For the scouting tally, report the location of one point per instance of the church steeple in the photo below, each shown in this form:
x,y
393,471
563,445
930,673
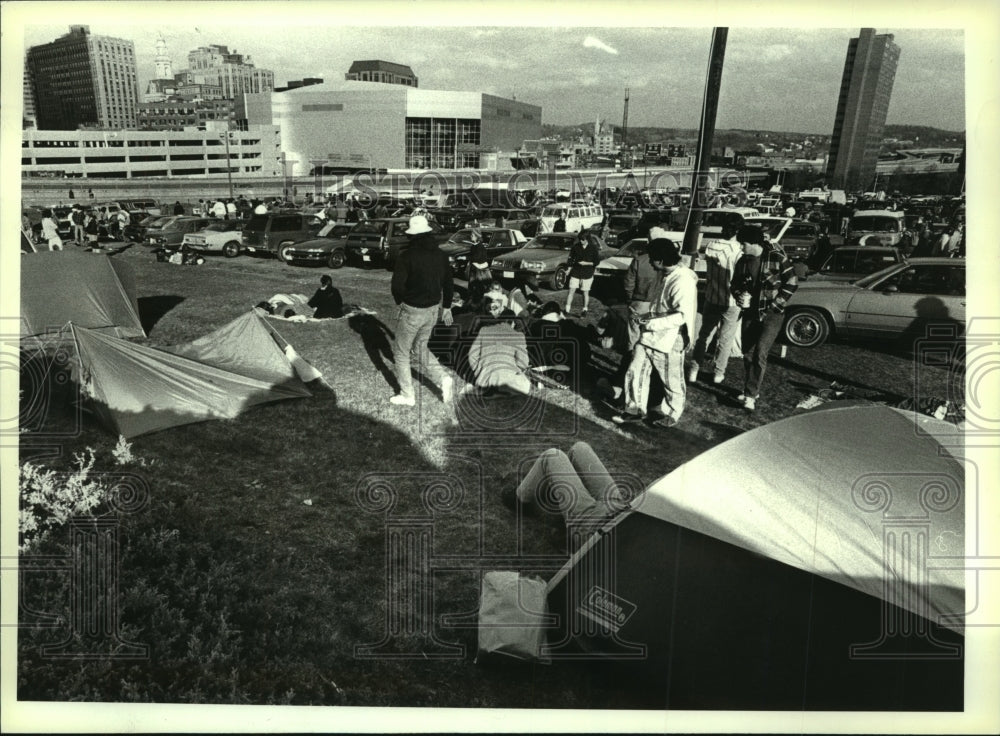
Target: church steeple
x,y
163,67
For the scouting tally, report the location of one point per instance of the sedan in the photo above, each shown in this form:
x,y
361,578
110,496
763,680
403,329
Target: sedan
x,y
617,265
498,241
545,257
169,232
852,262
222,236
328,248
904,299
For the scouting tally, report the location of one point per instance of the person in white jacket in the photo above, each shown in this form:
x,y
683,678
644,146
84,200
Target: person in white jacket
x,y
667,333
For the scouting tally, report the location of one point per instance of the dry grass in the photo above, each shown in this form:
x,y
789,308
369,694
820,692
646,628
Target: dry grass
x,y
247,594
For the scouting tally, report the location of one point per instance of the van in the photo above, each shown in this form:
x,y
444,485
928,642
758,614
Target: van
x,y
885,225
579,215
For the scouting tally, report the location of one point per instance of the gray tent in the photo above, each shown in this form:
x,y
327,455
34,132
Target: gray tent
x,y
90,290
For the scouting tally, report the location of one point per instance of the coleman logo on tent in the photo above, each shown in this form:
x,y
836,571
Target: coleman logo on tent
x,y
606,608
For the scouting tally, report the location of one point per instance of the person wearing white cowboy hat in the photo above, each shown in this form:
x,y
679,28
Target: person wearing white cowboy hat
x,y
421,286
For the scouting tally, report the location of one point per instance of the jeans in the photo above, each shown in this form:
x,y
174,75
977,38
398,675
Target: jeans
x,y
412,333
670,367
577,484
726,319
758,337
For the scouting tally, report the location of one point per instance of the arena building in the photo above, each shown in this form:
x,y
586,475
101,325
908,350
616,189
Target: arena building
x,y
356,125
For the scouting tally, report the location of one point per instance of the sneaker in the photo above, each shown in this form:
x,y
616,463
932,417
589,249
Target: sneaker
x,y
749,403
664,423
693,372
400,400
626,416
718,378
447,387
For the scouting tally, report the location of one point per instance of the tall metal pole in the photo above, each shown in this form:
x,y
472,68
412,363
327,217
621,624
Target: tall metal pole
x,y
703,157
229,168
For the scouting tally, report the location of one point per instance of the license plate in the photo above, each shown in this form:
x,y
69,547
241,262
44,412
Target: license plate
x,y
366,258
508,274
700,267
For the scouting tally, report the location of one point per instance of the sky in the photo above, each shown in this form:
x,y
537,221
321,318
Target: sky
x,y
576,68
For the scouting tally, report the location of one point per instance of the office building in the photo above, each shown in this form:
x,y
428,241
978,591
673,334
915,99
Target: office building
x,y
28,113
134,154
865,91
232,72
84,81
385,72
176,113
363,125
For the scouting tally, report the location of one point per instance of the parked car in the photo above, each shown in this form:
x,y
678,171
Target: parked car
x,y
544,257
621,222
221,236
886,226
903,299
513,218
380,241
277,231
497,240
328,248
452,219
852,262
135,231
614,268
169,232
799,240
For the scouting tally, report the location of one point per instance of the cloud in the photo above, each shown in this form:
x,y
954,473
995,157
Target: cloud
x,y
595,43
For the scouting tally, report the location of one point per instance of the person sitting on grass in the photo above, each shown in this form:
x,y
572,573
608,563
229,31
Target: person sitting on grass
x,y
558,340
498,357
327,301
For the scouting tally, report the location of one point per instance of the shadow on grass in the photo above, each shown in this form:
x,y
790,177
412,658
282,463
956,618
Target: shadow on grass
x,y
153,308
376,337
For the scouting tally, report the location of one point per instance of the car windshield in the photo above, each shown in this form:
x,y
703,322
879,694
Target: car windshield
x,y
800,231
873,278
876,224
551,242
160,221
363,228
770,225
462,237
632,248
622,222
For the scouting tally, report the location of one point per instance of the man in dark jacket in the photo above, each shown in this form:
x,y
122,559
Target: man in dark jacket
x,y
763,282
421,286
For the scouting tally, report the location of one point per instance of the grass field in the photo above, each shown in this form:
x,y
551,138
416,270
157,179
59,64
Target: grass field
x,y
259,564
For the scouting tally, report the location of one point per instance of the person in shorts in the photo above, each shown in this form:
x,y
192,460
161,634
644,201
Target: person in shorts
x,y
583,259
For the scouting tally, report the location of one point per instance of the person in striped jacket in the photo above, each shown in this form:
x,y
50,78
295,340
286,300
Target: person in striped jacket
x,y
763,282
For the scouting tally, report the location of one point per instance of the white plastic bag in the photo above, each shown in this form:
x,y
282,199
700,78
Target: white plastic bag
x,y
512,616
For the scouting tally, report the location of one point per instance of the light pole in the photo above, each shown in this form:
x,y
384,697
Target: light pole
x,y
229,172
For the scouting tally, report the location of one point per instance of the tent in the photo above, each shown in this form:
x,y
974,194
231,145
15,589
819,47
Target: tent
x,y
810,564
137,389
91,290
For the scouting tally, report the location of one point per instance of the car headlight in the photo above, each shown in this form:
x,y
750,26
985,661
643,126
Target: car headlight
x,y
532,265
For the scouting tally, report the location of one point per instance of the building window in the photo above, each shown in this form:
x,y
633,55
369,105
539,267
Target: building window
x,y
469,132
418,142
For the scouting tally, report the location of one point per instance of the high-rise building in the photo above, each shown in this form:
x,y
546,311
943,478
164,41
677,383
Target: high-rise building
x,y
865,90
28,115
84,81
386,72
234,73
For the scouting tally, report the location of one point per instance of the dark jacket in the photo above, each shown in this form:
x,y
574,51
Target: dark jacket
x,y
327,302
770,279
584,250
640,279
422,275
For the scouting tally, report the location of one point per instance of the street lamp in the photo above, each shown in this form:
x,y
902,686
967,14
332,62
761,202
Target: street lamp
x,y
229,172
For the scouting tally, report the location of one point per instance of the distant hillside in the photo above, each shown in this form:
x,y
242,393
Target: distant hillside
x,y
922,135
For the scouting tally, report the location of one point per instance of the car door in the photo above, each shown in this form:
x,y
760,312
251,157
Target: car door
x,y
908,301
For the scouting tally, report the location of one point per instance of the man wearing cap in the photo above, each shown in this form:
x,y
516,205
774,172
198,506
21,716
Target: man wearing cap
x,y
421,286
763,282
667,333
499,354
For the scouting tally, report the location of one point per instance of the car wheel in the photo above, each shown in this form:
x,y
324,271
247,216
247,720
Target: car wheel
x,y
806,328
283,252
559,279
336,259
231,249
